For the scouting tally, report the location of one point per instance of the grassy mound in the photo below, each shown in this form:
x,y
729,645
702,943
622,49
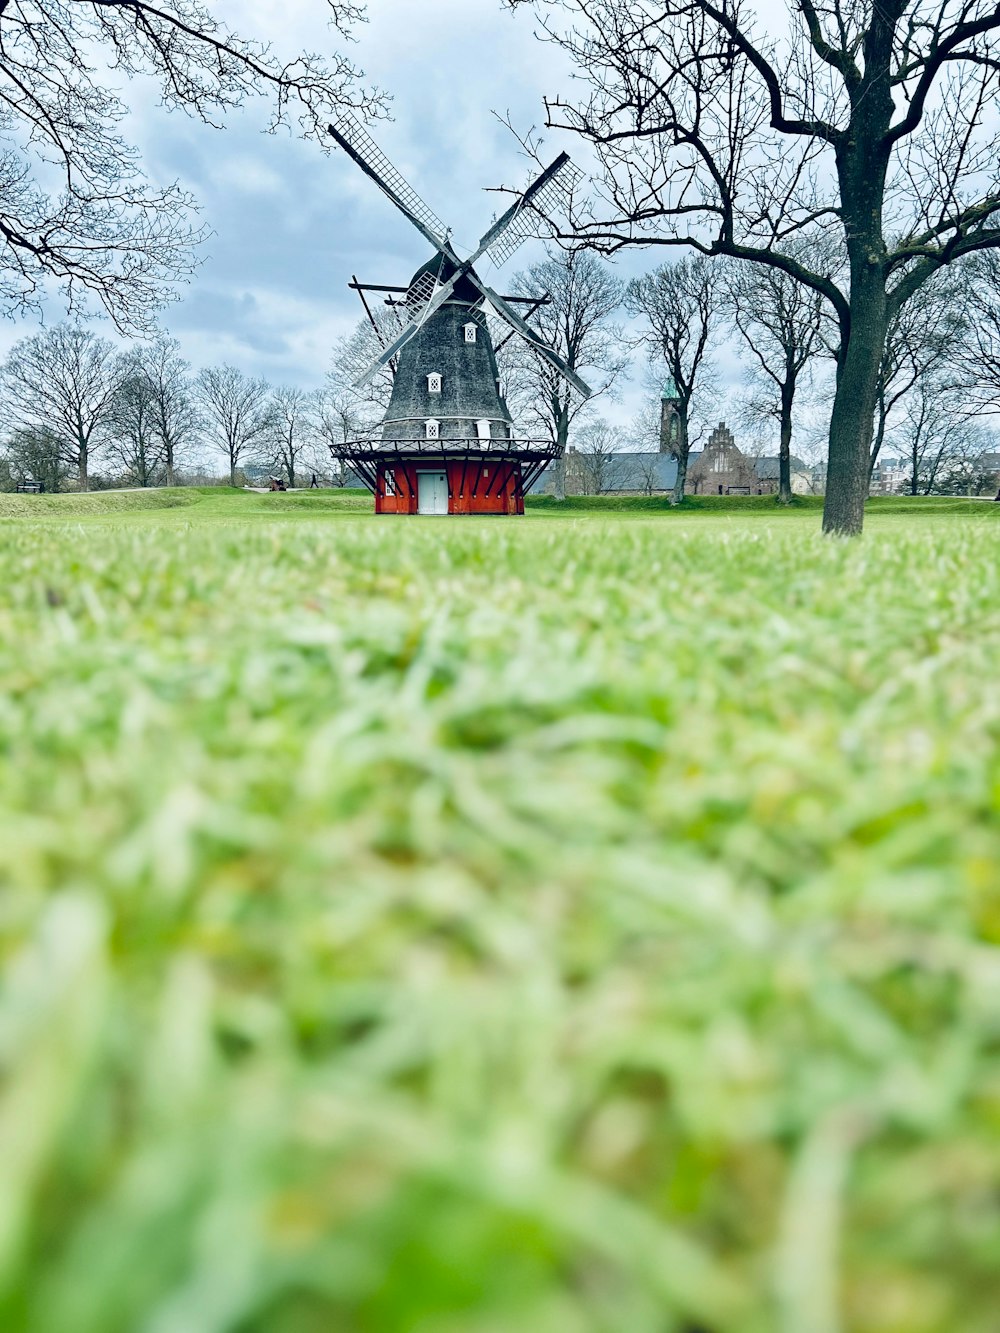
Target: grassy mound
x,y
84,503
457,927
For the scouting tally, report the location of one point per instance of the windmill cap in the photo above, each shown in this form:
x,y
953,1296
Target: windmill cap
x,y
442,268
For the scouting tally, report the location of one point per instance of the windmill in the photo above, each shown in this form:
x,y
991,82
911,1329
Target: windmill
x,y
447,442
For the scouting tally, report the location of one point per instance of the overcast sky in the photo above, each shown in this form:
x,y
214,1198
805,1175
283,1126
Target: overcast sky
x,y
291,224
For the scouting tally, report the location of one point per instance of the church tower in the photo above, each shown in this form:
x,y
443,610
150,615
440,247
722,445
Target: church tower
x,y
670,417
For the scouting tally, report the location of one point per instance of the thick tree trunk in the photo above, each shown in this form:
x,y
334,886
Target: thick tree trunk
x,y
785,446
677,495
681,451
171,478
559,469
878,435
853,417
559,478
82,469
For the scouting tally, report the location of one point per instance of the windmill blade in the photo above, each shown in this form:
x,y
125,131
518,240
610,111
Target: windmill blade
x,y
411,330
528,215
359,145
511,317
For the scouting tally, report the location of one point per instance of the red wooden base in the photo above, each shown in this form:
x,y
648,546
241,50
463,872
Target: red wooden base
x,y
475,486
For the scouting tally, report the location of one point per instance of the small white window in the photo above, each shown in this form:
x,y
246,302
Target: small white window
x,y
470,333
434,383
483,429
433,429
390,482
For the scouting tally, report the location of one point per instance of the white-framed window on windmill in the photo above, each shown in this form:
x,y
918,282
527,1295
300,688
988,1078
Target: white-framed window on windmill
x,y
483,431
390,482
470,332
432,429
434,382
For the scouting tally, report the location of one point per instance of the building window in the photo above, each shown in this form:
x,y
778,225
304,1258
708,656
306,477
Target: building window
x,y
483,430
390,482
434,383
433,429
470,333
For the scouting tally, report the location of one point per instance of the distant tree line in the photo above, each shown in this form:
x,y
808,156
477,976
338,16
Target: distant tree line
x,y
78,411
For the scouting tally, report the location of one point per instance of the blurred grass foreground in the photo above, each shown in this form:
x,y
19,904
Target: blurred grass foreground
x,y
590,922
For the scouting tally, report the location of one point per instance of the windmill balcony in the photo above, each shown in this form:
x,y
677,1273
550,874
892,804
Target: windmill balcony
x,y
463,475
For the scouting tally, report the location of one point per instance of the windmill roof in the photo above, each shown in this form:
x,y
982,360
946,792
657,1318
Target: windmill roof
x,y
442,268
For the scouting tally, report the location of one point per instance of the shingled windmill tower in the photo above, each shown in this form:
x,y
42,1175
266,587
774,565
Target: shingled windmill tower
x,y
447,444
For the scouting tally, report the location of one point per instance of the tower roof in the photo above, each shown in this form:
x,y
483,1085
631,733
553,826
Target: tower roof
x,y
669,388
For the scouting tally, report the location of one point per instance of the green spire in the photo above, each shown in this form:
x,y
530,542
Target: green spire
x,y
670,389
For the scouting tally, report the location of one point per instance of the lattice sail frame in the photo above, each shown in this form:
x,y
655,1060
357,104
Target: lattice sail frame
x,y
532,219
365,146
418,298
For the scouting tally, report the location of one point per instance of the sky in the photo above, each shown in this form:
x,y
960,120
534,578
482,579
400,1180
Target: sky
x,y
290,224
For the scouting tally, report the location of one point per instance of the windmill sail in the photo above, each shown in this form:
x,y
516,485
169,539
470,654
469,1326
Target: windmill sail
x,y
358,144
501,309
529,216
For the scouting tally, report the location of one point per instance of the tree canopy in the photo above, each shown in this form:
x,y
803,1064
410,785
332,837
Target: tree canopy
x,y
872,123
76,210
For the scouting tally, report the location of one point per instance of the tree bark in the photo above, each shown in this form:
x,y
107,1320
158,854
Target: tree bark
x,y
82,469
853,419
562,439
785,446
681,450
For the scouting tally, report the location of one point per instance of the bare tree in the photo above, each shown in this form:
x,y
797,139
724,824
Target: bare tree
x,y
678,304
781,323
922,337
935,436
176,420
646,441
33,454
96,226
577,322
597,459
62,381
292,427
235,410
977,354
973,471
132,421
362,409
873,122
348,413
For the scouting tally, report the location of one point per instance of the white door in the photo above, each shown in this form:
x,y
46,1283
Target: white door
x,y
432,493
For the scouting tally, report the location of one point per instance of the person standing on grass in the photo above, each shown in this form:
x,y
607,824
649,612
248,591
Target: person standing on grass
x,y
314,484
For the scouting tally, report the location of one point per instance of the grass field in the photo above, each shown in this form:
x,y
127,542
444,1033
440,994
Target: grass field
x,y
583,923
